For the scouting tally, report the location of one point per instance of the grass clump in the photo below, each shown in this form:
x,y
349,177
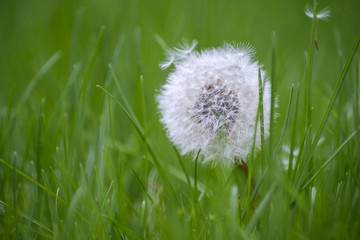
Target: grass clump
x,y
83,154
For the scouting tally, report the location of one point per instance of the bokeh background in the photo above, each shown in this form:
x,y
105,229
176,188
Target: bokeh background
x,y
31,31
61,126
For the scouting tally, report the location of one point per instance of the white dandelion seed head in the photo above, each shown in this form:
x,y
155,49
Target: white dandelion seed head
x,y
210,102
323,14
177,54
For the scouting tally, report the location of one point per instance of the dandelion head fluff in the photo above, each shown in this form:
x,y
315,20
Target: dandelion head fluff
x,y
210,102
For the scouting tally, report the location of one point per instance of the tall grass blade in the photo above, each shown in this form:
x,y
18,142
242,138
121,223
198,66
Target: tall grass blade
x,y
259,210
293,133
273,91
161,42
307,103
91,63
44,69
29,218
30,179
334,96
182,166
261,118
330,159
149,147
287,120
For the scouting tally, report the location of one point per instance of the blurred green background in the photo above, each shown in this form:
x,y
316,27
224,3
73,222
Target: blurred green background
x,y
31,31
70,135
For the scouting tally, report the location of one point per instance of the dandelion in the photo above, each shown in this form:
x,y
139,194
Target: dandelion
x,y
323,14
210,102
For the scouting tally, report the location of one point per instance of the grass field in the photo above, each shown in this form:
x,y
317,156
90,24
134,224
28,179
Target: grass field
x,y
83,154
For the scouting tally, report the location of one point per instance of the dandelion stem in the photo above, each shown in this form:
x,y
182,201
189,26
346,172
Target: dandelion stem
x,y
195,177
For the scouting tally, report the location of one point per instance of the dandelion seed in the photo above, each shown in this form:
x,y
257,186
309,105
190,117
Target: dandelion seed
x,y
323,14
210,102
178,54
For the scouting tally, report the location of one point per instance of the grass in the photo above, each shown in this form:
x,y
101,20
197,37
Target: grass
x,y
83,154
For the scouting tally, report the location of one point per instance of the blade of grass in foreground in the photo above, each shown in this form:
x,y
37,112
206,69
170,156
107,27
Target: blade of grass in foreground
x,y
288,115
273,92
195,176
307,102
36,222
259,210
261,118
55,195
91,63
294,133
52,206
330,158
122,94
30,179
250,197
161,41
195,221
334,96
44,69
140,131
142,185
357,97
253,194
145,216
251,158
182,166
5,128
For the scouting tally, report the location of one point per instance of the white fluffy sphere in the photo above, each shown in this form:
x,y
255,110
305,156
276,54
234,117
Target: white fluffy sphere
x,y
210,102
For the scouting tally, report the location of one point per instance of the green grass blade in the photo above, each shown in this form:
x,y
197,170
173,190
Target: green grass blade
x,y
287,120
44,69
52,205
31,219
31,179
91,62
119,88
254,192
196,177
182,166
142,185
307,103
259,210
334,96
5,127
161,41
131,117
261,118
293,133
148,145
273,91
330,159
